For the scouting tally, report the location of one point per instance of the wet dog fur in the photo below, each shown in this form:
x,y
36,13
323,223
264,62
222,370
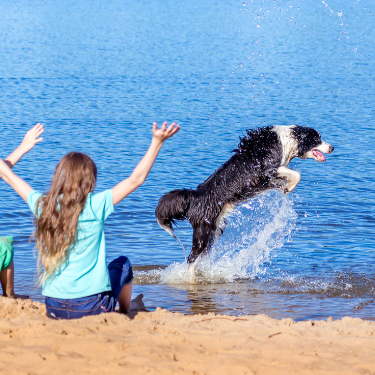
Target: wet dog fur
x,y
259,163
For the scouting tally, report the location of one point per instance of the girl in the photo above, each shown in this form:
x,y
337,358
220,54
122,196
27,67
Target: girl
x,y
70,234
31,138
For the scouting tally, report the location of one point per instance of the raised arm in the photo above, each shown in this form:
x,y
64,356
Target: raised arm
x,y
30,140
141,171
19,185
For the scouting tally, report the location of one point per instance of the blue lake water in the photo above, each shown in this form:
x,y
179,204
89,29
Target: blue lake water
x,y
97,74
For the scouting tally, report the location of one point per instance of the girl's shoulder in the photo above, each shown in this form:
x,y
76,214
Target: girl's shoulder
x,y
100,204
32,200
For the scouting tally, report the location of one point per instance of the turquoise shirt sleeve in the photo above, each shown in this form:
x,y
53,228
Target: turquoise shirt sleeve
x,y
102,204
32,199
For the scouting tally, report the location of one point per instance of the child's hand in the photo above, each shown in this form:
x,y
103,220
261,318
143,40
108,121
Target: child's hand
x,y
138,177
32,138
163,133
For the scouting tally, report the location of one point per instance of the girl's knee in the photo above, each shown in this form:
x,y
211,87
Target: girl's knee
x,y
120,274
120,262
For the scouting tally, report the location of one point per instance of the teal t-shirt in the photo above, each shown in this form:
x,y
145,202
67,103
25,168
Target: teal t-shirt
x,y
85,273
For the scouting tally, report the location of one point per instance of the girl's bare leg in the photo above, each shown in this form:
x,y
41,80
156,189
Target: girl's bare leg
x,y
7,281
125,298
126,304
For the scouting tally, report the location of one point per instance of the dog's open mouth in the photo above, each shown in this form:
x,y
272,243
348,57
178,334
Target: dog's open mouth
x,y
318,155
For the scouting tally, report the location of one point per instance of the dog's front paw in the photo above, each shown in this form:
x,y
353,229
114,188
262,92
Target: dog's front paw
x,y
278,183
289,188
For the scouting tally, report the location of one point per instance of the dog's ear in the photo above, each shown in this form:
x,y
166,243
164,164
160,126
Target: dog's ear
x,y
307,139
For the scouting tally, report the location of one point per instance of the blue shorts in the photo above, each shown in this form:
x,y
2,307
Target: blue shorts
x,y
120,273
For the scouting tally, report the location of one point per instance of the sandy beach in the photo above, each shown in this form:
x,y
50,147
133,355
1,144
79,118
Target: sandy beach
x,y
162,342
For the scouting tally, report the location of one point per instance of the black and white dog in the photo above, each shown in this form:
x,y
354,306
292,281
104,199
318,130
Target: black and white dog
x,y
260,163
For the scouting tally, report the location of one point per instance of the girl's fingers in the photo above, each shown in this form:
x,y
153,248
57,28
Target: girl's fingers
x,y
38,140
165,132
35,136
172,130
37,127
40,128
175,130
154,128
170,127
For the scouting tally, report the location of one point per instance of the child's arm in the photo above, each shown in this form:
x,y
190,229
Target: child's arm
x,y
138,177
30,140
19,185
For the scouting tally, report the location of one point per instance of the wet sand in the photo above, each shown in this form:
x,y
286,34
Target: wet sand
x,y
162,342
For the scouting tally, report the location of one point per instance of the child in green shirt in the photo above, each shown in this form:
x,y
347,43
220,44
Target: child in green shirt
x,y
6,243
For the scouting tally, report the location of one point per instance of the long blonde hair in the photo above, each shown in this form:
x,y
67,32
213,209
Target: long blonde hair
x,y
56,227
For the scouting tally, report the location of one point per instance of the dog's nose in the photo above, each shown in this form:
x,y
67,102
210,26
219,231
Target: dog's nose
x,y
331,148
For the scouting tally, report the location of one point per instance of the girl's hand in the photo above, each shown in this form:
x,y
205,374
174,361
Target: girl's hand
x,y
32,138
138,177
164,133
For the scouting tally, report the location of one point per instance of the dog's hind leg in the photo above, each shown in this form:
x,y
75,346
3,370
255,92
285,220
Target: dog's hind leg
x,y
202,238
206,234
291,177
221,221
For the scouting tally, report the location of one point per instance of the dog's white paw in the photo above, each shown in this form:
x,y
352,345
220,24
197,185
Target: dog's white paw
x,y
289,188
191,273
278,183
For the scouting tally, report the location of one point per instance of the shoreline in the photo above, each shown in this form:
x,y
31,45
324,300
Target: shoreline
x,y
163,342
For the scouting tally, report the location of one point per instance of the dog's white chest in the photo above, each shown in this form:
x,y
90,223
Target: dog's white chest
x,y
288,143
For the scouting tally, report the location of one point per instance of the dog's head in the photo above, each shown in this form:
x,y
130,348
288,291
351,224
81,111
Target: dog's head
x,y
310,145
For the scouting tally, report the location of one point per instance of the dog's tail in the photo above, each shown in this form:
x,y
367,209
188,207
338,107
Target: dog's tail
x,y
173,206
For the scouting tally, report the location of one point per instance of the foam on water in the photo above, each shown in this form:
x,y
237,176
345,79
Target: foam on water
x,y
254,229
343,284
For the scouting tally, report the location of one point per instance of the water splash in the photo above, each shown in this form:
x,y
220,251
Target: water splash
x,y
182,245
254,229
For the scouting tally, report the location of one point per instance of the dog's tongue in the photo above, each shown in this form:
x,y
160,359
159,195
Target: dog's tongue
x,y
318,155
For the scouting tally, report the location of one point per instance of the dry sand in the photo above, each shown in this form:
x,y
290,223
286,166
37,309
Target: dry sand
x,y
162,342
